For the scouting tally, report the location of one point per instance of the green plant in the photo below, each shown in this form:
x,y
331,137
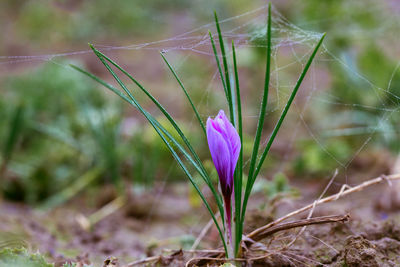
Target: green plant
x,y
182,149
21,257
48,152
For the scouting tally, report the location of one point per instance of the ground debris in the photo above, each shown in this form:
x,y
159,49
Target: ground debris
x,y
111,262
359,251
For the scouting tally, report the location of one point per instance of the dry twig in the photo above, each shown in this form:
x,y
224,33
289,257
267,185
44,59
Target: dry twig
x,y
312,209
144,261
346,190
204,231
257,236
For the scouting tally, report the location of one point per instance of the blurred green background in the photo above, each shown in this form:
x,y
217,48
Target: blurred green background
x,y
60,133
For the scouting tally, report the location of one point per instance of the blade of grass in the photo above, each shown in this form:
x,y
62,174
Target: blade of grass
x,y
191,179
129,100
264,102
69,192
16,125
199,164
252,179
226,71
199,192
105,84
104,138
284,112
57,134
159,106
186,93
221,74
239,169
159,129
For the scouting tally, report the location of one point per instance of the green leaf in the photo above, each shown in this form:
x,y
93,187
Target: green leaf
x,y
186,94
261,117
78,185
226,71
239,168
278,125
221,74
16,124
286,109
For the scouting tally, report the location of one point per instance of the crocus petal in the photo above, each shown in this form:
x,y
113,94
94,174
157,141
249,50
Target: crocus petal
x,y
233,139
221,156
224,144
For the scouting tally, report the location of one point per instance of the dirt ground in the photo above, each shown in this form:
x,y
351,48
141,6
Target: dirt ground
x,y
163,222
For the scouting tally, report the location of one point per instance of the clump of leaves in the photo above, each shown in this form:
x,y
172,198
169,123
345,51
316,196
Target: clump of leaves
x,y
278,185
62,135
317,162
21,257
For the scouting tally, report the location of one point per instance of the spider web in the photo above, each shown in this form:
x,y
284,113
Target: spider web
x,y
294,44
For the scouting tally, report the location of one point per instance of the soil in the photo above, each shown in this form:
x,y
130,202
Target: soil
x,y
163,222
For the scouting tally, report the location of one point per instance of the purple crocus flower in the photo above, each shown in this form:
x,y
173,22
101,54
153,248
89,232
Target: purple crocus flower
x,y
224,144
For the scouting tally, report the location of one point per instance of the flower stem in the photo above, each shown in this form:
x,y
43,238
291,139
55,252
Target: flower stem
x,y
228,227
